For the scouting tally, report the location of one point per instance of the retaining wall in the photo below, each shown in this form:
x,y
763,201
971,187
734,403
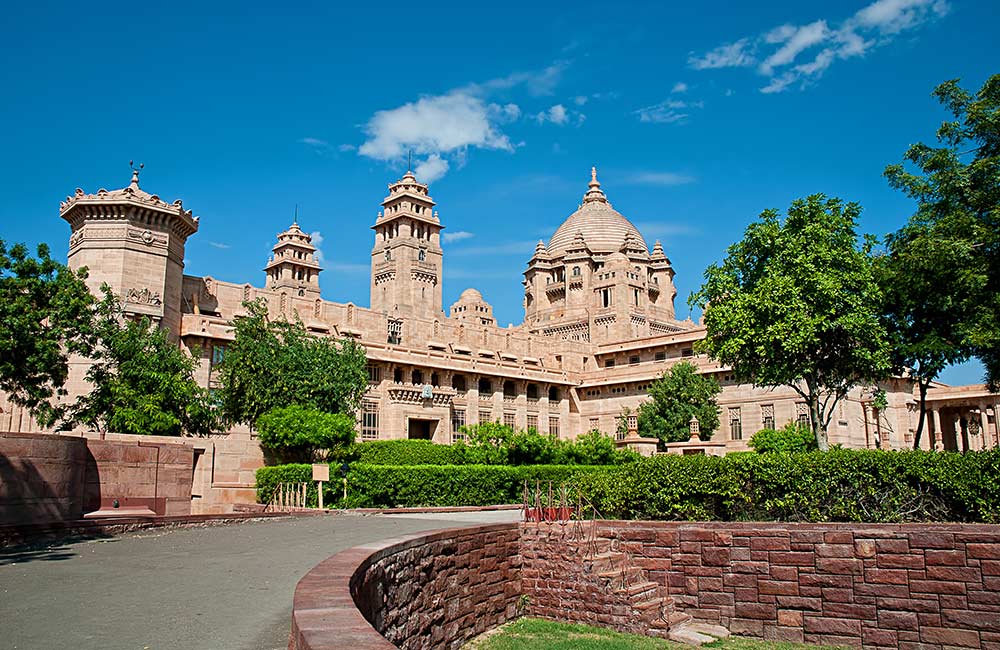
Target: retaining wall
x,y
913,587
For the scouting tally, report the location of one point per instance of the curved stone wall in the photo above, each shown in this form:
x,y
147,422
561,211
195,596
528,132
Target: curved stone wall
x,y
918,587
424,591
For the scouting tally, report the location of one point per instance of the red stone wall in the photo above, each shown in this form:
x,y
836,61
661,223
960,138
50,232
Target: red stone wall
x,y
916,587
433,591
41,477
49,478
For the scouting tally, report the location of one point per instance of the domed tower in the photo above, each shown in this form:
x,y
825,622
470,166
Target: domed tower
x,y
132,241
293,265
407,255
596,279
473,308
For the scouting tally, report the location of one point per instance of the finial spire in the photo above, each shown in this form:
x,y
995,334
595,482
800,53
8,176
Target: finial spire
x,y
409,161
594,193
295,219
135,173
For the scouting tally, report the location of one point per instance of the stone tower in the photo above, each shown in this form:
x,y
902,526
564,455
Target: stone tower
x,y
293,266
132,241
407,256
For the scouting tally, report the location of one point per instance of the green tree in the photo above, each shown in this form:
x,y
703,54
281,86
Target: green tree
x,y
796,303
45,317
296,433
922,279
957,189
143,383
791,438
677,396
277,363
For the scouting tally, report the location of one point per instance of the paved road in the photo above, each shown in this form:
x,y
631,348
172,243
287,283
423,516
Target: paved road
x,y
220,588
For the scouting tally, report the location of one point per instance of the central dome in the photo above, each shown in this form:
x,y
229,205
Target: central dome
x,y
603,228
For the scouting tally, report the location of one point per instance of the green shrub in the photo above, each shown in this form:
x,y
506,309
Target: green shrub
x,y
792,438
838,485
269,477
375,486
297,432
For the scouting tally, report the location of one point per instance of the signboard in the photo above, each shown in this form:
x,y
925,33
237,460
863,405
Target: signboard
x,y
427,392
321,472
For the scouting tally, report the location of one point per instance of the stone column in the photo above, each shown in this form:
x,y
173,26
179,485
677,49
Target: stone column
x,y
934,430
984,427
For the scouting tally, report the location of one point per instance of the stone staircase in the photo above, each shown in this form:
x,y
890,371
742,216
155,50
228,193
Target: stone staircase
x,y
650,601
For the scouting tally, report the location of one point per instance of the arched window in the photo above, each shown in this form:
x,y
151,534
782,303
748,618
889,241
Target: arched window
x,y
388,255
422,255
576,270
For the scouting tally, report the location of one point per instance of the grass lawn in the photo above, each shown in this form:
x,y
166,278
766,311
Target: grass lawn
x,y
536,634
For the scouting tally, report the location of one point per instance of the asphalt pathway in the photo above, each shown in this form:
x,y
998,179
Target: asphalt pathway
x,y
218,588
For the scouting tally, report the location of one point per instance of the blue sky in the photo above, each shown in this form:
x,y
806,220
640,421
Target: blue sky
x,y
698,117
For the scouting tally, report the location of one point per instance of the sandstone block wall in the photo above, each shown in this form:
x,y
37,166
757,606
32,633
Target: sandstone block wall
x,y
428,592
41,477
913,587
156,475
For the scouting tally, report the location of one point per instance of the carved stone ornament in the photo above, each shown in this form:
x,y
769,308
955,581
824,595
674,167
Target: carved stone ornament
x,y
143,297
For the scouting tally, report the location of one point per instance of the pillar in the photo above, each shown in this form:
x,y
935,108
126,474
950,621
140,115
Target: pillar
x,y
934,430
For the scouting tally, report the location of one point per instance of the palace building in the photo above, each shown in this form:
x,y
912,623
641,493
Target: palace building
x,y
599,326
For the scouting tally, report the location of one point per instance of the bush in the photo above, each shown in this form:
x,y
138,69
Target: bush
x,y
839,485
297,432
792,438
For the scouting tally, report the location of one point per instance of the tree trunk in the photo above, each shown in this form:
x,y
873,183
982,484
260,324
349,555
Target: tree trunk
x,y
923,411
818,430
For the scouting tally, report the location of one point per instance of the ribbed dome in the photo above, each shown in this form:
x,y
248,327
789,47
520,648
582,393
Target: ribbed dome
x,y
470,295
603,228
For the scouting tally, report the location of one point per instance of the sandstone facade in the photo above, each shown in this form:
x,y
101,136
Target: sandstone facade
x,y
599,327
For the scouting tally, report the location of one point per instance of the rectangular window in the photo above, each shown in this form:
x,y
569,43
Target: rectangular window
x,y
621,427
457,422
218,353
661,356
508,418
554,427
395,332
609,363
687,352
533,422
485,416
802,413
374,374
595,424
735,424
767,416
633,360
369,420
607,298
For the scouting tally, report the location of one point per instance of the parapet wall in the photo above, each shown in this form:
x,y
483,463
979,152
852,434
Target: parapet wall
x,y
913,587
50,478
420,592
917,586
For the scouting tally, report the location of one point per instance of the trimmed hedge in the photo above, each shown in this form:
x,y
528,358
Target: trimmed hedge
x,y
838,485
519,448
414,452
384,486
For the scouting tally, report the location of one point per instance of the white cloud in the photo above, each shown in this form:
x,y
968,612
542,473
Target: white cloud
x,y
798,40
781,47
317,241
556,114
219,245
669,111
458,235
728,55
679,87
659,178
580,100
317,145
431,169
345,148
443,128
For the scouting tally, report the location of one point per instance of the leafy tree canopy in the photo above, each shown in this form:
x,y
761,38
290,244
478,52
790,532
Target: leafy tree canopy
x,y
297,432
271,364
143,383
796,303
45,314
956,226
677,396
